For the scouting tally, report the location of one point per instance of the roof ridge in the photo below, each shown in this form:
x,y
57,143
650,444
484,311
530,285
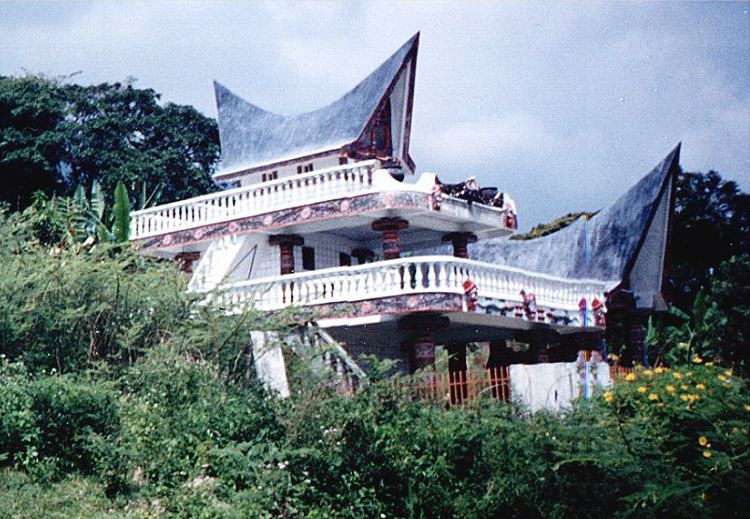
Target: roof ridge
x,y
251,135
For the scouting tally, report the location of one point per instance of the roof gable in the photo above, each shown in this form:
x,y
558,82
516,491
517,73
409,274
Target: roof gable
x,y
608,246
252,137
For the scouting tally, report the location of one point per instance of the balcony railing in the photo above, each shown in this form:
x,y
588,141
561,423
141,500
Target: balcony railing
x,y
406,276
318,186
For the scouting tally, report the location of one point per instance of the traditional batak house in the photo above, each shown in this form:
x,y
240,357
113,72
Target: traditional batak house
x,y
321,211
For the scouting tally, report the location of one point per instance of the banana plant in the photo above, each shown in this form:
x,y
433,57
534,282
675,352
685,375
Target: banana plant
x,y
683,341
96,221
120,230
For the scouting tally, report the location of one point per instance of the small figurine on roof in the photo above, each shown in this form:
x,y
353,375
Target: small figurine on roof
x,y
529,305
472,295
509,206
437,195
600,315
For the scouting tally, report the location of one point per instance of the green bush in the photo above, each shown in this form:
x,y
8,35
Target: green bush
x,y
65,309
177,409
158,410
686,435
55,424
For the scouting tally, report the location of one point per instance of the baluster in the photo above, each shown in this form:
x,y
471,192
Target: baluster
x,y
377,283
352,288
393,277
419,278
368,283
448,274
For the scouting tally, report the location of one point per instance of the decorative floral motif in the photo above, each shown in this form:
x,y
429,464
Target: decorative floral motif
x,y
290,216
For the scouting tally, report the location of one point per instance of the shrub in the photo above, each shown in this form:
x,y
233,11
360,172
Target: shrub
x,y
685,433
55,424
177,409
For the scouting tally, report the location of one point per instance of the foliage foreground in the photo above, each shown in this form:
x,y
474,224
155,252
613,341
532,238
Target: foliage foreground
x,y
122,396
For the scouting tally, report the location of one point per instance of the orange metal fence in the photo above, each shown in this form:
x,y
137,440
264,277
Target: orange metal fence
x,y
464,387
619,371
458,387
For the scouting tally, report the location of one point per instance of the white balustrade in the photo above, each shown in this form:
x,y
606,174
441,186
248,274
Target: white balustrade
x,y
404,276
317,186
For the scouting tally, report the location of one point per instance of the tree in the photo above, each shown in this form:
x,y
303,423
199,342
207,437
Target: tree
x,y
32,145
55,136
711,224
730,296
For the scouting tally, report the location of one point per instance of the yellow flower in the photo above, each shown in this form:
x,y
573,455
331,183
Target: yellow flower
x,y
684,398
747,408
721,377
642,389
707,454
700,386
728,372
676,375
697,359
660,370
684,387
608,396
653,396
660,404
709,364
735,430
693,398
702,441
630,377
669,388
648,372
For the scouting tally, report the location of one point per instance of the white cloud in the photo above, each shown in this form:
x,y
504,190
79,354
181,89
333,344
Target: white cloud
x,y
474,143
564,104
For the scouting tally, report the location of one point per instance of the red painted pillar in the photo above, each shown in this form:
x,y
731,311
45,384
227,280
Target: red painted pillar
x,y
421,342
460,242
390,228
423,351
286,243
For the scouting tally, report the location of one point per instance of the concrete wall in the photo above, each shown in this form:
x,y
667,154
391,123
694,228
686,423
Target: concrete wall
x,y
554,386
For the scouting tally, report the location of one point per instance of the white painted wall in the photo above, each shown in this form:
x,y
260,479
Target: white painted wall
x,y
256,259
268,360
327,248
554,386
291,170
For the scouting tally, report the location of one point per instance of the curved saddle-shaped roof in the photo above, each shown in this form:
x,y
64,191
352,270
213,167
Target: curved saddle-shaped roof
x,y
623,244
252,137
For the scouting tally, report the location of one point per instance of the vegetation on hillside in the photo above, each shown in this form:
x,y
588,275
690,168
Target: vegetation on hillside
x,y
123,395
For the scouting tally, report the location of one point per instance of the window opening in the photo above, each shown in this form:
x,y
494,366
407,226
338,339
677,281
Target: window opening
x,y
308,258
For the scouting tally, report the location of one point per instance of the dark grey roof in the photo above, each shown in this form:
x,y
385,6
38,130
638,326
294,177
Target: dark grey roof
x,y
251,136
614,236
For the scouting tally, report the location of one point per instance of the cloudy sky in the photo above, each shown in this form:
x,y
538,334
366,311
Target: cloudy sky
x,y
563,105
